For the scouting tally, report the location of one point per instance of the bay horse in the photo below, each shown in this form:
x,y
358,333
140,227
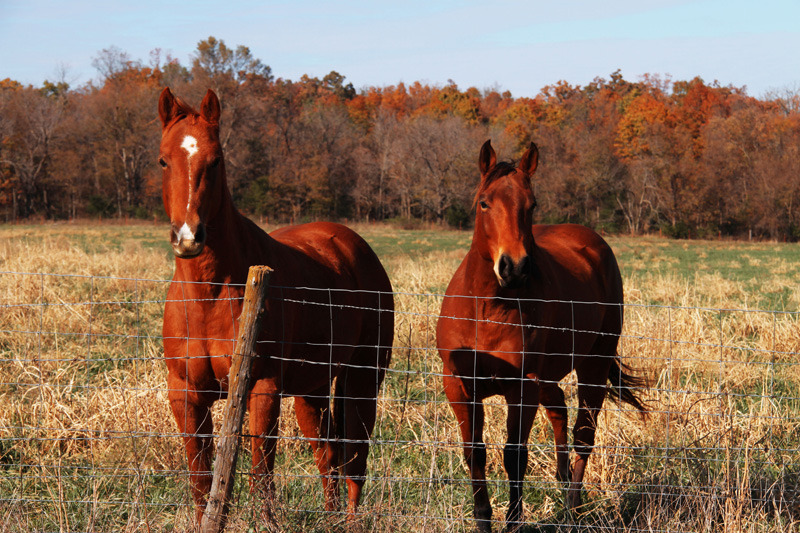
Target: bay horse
x,y
329,317
528,305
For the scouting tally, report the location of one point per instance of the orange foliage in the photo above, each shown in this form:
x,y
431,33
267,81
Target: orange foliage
x,y
519,119
642,112
493,104
9,85
618,153
133,77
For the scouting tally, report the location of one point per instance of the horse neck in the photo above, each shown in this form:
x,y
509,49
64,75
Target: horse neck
x,y
480,246
481,266
224,257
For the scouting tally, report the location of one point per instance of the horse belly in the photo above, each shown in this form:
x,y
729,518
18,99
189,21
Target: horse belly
x,y
570,348
314,335
314,365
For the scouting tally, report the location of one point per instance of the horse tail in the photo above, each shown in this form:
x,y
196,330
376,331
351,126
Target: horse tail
x,y
623,386
338,407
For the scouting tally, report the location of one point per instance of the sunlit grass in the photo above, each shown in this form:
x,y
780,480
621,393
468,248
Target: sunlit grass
x,y
87,440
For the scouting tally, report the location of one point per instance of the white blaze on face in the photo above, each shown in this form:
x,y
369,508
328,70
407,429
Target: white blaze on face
x,y
185,233
190,145
497,266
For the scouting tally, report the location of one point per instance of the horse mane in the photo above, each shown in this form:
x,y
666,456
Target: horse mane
x,y
183,109
502,168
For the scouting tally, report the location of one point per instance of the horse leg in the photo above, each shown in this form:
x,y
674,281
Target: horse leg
x,y
552,398
592,375
522,406
591,394
316,423
195,425
264,405
470,416
354,412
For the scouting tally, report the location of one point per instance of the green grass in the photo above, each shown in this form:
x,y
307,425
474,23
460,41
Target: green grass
x,y
97,237
414,243
769,272
637,256
93,237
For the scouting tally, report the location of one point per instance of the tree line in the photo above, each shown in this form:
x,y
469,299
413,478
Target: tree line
x,y
685,158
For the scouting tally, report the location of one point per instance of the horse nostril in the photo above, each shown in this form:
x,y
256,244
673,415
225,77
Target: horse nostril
x,y
524,266
200,234
506,267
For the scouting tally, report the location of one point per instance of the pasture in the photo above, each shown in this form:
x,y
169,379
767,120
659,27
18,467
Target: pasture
x,y
87,440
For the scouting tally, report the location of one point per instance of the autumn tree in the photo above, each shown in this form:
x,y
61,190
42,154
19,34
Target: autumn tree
x,y
375,158
689,158
30,127
241,81
640,142
125,134
436,166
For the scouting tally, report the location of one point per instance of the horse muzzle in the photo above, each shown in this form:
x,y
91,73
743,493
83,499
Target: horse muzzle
x,y
512,274
186,241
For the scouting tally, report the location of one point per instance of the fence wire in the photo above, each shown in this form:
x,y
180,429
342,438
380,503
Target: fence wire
x,y
88,441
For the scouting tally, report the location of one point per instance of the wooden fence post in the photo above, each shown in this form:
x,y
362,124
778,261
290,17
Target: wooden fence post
x,y
216,513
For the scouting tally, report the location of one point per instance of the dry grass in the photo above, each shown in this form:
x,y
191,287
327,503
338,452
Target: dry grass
x,y
87,441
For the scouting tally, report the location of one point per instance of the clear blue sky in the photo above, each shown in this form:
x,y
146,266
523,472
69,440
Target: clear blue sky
x,y
513,45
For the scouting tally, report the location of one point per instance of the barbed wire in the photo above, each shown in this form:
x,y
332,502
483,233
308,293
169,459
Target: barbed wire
x,y
85,421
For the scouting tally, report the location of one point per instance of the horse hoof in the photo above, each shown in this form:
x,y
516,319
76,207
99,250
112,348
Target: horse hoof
x,y
483,519
574,501
483,526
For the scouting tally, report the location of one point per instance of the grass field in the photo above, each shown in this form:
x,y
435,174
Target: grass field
x,y
87,442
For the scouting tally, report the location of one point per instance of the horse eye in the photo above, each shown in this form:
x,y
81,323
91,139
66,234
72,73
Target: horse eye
x,y
483,205
162,163
215,162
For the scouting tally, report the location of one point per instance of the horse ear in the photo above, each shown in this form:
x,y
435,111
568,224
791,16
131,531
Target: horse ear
x,y
166,107
488,159
529,161
209,108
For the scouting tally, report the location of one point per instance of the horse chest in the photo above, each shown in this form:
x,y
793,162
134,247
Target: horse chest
x,y
511,328
501,327
200,336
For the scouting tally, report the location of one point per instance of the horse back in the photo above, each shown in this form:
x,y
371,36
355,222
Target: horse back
x,y
332,250
577,264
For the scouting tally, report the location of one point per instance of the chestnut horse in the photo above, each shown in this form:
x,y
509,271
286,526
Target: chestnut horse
x,y
329,316
528,305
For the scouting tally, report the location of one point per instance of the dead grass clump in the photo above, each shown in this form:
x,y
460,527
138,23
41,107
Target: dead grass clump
x,y
87,440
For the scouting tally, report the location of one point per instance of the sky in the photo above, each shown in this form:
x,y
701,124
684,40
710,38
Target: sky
x,y
504,44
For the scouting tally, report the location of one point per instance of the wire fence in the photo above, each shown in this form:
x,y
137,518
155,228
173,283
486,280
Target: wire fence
x,y
88,441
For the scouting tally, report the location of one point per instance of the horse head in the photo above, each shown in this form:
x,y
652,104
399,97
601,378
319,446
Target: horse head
x,y
194,171
504,215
